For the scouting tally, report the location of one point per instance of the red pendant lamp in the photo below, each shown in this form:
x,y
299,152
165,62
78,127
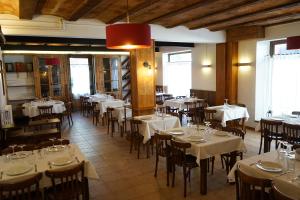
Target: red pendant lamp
x,y
128,35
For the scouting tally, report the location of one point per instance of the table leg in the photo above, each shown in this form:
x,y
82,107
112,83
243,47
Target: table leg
x,y
232,161
203,176
86,188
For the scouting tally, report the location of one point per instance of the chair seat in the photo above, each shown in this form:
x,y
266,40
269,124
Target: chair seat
x,y
190,161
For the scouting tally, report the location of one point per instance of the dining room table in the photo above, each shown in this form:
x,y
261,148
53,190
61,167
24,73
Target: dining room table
x,y
105,101
154,123
289,119
31,110
206,143
226,112
24,164
271,166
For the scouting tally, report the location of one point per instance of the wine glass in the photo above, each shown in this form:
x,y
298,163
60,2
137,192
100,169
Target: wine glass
x,y
13,146
61,140
22,146
225,102
52,140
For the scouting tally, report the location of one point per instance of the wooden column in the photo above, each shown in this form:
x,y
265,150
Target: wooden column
x,y
142,80
231,71
220,73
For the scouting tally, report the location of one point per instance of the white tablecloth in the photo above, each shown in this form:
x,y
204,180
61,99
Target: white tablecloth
x,y
31,109
153,123
120,114
229,112
42,165
286,119
103,104
179,103
215,145
248,166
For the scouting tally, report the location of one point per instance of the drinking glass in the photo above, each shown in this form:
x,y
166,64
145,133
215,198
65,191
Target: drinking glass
x,y
13,146
225,102
22,146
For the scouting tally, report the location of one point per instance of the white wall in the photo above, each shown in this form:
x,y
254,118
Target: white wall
x,y
247,53
159,68
204,78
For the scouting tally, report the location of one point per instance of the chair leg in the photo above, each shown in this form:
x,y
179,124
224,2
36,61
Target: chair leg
x,y
108,125
212,165
131,143
184,180
156,165
260,146
138,148
168,170
173,177
147,149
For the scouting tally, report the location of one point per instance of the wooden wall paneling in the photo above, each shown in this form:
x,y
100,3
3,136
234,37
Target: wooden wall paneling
x,y
245,33
220,73
143,80
36,75
99,73
231,71
210,96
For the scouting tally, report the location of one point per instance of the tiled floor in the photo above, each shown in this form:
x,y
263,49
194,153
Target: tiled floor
x,y
123,176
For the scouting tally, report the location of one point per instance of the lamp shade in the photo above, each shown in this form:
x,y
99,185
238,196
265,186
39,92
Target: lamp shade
x,y
128,36
293,43
51,61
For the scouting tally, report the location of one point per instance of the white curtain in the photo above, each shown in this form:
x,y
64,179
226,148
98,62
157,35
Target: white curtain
x,y
286,84
277,85
177,76
263,98
80,76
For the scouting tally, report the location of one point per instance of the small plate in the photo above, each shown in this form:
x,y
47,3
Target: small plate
x,y
177,132
61,161
196,138
56,148
16,170
269,166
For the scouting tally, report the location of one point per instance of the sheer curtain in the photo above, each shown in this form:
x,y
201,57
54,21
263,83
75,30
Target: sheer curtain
x,y
277,85
286,84
177,76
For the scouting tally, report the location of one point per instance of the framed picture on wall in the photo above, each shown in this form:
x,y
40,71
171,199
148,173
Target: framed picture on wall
x,y
9,67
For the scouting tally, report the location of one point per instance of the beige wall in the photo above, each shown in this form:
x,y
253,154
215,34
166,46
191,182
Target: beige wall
x,y
247,53
158,68
204,78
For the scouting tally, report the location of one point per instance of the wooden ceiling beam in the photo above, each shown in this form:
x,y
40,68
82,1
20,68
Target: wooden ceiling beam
x,y
182,10
231,13
137,9
198,17
276,20
84,9
263,15
27,8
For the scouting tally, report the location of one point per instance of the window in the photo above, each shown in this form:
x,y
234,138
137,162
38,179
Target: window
x,y
185,56
177,72
80,76
277,80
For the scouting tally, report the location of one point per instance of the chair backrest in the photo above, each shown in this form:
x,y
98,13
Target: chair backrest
x,y
162,142
241,105
269,126
251,188
235,131
278,195
69,107
190,105
45,111
291,133
161,109
24,189
209,114
70,181
178,152
94,105
180,97
49,143
296,113
134,126
109,112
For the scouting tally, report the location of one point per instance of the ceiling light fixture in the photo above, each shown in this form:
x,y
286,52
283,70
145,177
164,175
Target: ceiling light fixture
x,y
128,35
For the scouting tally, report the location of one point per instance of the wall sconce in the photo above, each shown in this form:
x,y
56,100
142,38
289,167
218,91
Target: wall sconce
x,y
147,65
206,65
243,64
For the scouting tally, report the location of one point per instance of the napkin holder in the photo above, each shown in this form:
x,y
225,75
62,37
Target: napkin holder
x,y
297,154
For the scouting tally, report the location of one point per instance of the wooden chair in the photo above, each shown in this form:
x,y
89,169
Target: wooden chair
x,y
67,183
251,188
124,121
180,97
179,157
81,104
45,112
85,106
111,121
163,145
278,195
68,112
227,157
209,116
96,112
269,130
27,188
296,113
135,137
291,133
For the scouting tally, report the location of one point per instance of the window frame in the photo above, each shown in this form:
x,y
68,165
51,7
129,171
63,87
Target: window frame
x,y
177,53
273,44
